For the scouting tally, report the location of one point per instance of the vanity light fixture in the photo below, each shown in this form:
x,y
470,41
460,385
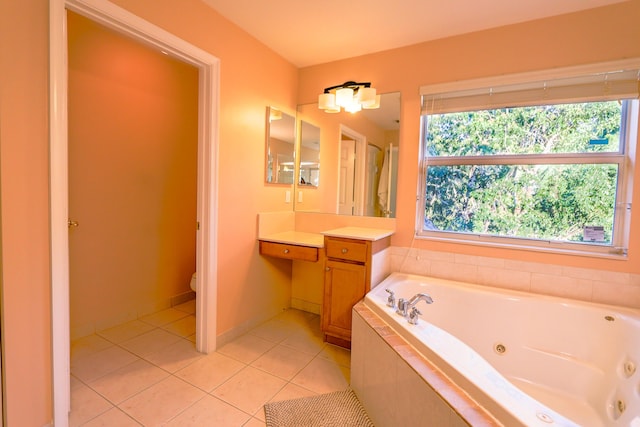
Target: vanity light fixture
x,y
351,96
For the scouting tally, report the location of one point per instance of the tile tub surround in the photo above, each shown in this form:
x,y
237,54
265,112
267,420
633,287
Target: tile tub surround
x,y
584,284
399,386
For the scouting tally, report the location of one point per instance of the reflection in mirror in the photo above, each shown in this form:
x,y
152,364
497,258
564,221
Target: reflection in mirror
x,y
280,147
309,174
359,160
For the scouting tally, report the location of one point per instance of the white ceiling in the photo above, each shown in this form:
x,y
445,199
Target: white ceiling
x,y
308,32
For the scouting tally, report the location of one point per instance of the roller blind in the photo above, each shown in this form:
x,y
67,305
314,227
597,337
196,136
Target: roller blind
x,y
533,89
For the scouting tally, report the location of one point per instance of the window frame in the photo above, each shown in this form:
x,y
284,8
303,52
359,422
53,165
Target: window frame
x,y
623,158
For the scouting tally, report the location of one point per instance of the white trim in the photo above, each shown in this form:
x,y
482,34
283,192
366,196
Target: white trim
x,y
532,76
546,246
119,19
622,221
531,159
619,245
60,352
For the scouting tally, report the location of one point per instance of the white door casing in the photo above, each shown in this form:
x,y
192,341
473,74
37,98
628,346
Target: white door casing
x,y
371,181
118,19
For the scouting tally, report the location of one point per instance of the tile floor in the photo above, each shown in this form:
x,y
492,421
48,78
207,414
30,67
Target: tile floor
x,y
147,371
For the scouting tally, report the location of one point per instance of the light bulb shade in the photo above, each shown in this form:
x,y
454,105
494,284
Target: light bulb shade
x,y
374,105
350,95
327,101
354,107
344,96
367,96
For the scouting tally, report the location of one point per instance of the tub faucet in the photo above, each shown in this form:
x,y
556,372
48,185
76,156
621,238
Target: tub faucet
x,y
402,307
417,298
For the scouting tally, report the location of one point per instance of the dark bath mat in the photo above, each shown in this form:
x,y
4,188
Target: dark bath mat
x,y
337,409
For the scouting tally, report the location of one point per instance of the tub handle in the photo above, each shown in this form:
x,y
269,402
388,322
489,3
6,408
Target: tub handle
x,y
391,299
414,316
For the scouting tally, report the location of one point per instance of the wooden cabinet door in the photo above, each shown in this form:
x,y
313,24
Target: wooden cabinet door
x,y
344,286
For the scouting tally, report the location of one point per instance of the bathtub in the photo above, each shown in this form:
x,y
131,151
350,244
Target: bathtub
x,y
526,359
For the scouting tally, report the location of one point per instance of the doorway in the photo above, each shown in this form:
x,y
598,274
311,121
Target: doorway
x,y
116,18
133,115
352,168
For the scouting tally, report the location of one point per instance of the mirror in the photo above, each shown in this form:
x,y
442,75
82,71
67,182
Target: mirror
x,y
359,160
280,147
309,169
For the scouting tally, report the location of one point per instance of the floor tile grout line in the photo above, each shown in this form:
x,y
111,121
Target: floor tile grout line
x,y
287,323
88,384
141,319
294,375
139,357
96,416
253,415
210,393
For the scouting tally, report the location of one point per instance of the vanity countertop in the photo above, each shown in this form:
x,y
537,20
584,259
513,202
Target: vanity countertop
x,y
301,238
360,233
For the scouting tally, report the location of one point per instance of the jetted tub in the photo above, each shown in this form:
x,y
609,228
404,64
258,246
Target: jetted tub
x,y
527,359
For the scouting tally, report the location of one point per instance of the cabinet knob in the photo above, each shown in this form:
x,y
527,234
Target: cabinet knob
x,y
327,268
286,251
345,250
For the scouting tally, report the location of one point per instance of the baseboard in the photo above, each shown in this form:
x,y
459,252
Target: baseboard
x,y
79,331
182,298
307,306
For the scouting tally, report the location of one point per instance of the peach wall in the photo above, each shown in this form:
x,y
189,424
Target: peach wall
x,y
133,137
24,172
597,35
250,287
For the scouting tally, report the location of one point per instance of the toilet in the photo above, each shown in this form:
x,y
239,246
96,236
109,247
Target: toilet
x,y
193,282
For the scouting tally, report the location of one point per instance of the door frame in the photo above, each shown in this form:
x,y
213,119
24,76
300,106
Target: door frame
x,y
370,196
116,18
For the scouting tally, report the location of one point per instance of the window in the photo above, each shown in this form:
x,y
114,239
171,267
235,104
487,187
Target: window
x,y
542,165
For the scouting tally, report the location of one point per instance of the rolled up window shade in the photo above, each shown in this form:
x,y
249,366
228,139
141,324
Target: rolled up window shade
x,y
619,81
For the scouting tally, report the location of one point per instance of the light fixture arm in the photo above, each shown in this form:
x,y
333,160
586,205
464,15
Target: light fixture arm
x,y
350,84
350,95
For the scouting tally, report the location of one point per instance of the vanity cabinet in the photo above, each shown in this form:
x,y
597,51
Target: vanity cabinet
x,y
348,270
